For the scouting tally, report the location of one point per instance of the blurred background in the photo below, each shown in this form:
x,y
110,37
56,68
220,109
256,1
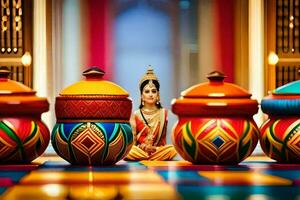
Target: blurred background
x,y
255,43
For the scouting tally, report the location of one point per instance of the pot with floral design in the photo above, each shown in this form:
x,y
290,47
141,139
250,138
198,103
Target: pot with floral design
x,y
215,122
280,133
23,135
92,125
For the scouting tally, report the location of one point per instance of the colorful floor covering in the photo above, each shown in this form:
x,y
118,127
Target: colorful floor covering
x,y
52,178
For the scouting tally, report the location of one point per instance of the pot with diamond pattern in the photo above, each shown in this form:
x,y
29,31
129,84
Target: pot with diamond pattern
x,y
215,122
93,121
23,135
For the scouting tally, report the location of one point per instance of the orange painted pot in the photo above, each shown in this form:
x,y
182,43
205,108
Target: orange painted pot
x,y
93,121
23,136
280,133
215,122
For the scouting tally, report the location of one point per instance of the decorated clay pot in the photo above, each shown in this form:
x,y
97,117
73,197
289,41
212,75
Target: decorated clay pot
x,y
280,134
215,122
92,121
23,136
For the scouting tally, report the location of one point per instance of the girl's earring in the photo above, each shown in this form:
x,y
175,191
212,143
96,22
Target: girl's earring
x,y
143,103
157,101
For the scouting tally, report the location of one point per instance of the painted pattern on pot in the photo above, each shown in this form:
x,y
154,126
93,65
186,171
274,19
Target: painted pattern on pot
x,y
280,134
23,136
92,142
216,140
215,122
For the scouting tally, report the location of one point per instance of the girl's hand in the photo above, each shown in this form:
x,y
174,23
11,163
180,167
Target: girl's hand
x,y
150,149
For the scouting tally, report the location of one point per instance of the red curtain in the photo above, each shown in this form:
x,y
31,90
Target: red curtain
x,y
98,33
224,37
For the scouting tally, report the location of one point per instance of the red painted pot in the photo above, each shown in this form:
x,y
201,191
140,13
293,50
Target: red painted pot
x,y
280,134
215,122
23,136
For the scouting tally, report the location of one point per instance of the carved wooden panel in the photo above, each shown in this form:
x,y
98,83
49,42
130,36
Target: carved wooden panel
x,y
287,73
283,18
16,38
287,27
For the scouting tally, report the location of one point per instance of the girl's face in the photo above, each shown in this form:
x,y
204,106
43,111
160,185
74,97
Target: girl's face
x,y
150,94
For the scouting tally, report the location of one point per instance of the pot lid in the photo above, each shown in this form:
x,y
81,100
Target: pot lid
x,y
215,88
18,99
94,84
290,88
283,101
216,98
8,86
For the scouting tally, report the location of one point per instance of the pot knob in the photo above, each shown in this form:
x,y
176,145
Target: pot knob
x,y
93,73
4,72
216,76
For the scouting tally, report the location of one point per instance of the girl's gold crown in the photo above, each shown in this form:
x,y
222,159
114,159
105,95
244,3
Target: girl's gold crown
x,y
148,76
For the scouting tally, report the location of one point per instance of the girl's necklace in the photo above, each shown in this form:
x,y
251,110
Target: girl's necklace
x,y
147,112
